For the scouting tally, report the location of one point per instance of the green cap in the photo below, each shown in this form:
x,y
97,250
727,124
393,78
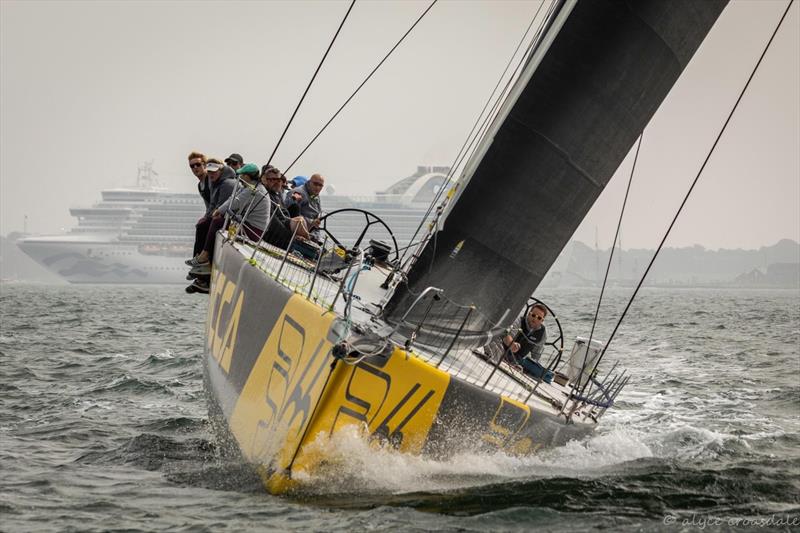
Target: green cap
x,y
249,168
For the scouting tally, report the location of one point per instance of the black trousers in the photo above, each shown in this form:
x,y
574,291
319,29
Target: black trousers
x,y
200,233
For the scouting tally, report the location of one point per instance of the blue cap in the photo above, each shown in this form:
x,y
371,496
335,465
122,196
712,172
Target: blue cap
x,y
299,180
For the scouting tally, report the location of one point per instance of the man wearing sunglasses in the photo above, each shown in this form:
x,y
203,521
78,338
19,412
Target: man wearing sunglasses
x,y
235,161
283,225
525,338
304,201
197,164
529,337
274,181
279,232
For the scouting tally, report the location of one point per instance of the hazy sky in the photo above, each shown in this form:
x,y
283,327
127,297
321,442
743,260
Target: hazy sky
x,y
90,89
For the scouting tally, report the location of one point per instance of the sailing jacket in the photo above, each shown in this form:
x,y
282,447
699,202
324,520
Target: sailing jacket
x,y
277,201
251,201
531,342
220,191
204,188
309,206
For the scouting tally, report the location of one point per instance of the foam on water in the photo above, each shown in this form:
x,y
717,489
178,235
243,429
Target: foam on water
x,y
165,355
355,465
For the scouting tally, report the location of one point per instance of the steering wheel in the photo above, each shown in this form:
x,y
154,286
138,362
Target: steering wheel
x,y
369,220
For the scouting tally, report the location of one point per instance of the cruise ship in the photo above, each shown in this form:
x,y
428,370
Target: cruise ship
x,y
143,234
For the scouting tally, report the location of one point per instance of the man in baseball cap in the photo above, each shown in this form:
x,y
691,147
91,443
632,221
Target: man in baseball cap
x,y
235,161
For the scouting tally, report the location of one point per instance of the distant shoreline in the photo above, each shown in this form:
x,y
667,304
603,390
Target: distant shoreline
x,y
580,266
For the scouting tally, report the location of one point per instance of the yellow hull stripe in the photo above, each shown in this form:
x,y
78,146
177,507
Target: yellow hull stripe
x,y
275,404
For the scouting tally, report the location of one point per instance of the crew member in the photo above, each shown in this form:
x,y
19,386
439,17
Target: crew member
x,y
529,337
304,201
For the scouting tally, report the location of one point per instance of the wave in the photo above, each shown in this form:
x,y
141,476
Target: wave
x,y
356,466
180,424
613,474
129,384
153,452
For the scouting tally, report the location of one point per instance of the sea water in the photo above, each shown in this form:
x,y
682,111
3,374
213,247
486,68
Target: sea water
x,y
103,427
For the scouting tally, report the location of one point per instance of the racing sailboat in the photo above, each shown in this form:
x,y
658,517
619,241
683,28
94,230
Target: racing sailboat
x,y
301,345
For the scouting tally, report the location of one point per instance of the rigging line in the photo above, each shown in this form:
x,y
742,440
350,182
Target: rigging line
x,y
484,127
608,269
489,118
433,231
360,86
702,167
469,139
296,109
471,144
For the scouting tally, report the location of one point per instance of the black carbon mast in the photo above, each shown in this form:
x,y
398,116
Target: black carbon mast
x,y
587,91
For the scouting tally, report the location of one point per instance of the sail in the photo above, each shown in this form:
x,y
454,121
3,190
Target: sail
x,y
584,96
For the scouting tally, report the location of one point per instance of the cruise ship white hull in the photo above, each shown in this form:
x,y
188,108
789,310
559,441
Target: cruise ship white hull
x,y
144,234
104,262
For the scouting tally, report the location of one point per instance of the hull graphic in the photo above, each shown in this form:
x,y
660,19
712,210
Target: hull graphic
x,y
272,375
